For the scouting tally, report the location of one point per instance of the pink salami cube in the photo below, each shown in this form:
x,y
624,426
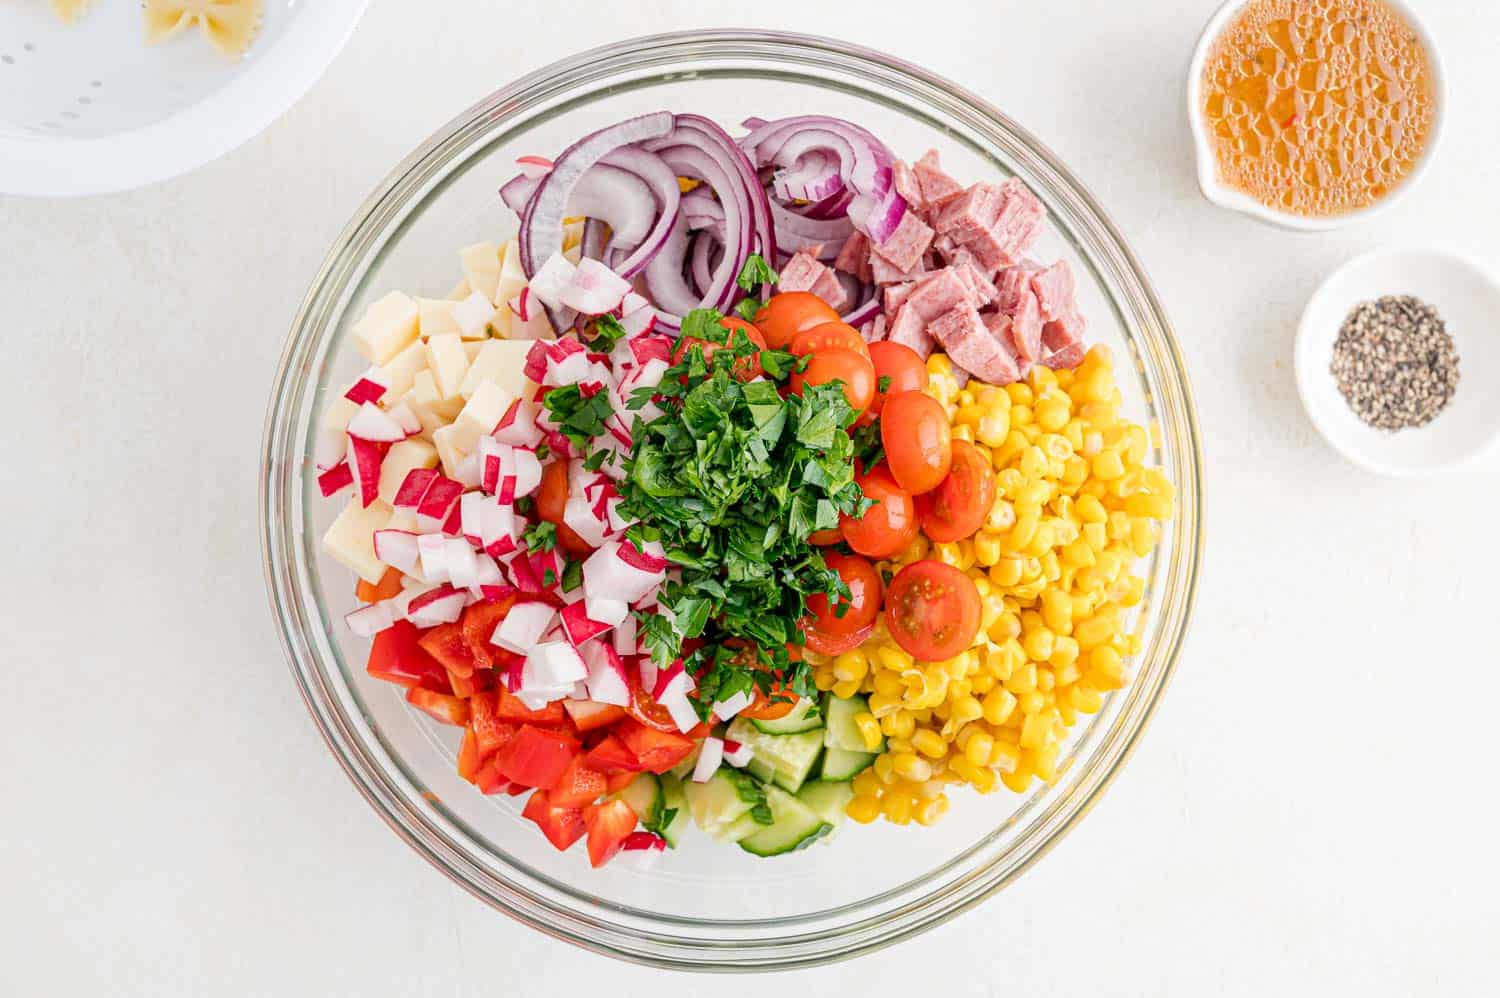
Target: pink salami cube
x,y
854,257
937,187
970,346
906,245
908,186
896,295
970,215
940,292
910,330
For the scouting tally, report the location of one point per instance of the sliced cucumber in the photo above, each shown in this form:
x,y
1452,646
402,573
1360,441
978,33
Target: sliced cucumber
x,y
673,799
793,826
842,732
643,794
840,766
744,826
720,802
804,716
789,758
827,800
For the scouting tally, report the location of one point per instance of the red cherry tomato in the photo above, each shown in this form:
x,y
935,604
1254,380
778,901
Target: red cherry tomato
x,y
863,605
837,644
551,500
887,528
932,610
745,368
825,538
790,312
854,370
918,443
902,365
829,336
958,506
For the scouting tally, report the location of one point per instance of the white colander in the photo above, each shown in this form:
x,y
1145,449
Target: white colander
x,y
89,107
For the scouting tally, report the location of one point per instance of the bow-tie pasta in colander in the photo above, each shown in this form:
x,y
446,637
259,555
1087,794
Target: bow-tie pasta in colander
x,y
230,25
68,10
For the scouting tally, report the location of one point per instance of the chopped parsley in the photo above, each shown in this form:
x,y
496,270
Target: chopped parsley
x,y
756,273
572,576
606,332
752,792
540,536
579,415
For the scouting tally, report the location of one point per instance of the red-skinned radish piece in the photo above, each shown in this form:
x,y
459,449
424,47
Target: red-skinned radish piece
x,y
737,754
606,681
374,424
369,388
336,479
398,549
523,627
365,457
710,756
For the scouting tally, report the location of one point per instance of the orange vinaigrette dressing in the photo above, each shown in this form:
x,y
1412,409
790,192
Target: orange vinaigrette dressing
x,y
1317,107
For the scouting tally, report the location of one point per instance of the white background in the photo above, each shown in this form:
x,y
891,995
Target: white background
x,y
1313,810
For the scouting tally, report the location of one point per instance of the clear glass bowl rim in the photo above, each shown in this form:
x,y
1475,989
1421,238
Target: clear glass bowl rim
x,y
666,945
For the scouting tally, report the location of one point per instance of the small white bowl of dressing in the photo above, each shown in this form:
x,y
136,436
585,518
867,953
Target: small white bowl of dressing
x,y
1235,199
1467,297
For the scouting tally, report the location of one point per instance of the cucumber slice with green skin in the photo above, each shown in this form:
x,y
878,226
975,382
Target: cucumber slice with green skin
x,y
744,827
827,800
793,826
790,758
840,766
804,716
673,798
643,794
718,803
761,770
841,732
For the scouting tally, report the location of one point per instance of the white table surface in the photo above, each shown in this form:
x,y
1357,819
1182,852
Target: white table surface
x,y
1313,810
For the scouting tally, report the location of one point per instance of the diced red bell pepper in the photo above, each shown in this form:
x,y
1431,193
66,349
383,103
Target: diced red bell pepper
x,y
608,825
588,715
491,732
397,656
508,707
449,710
468,756
579,785
537,757
478,623
489,779
615,782
611,756
658,751
446,643
562,825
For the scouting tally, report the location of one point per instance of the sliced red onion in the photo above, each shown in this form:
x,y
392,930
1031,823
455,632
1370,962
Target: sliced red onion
x,y
516,191
618,198
813,177
794,231
664,206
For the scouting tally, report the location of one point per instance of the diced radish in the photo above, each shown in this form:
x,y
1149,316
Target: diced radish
x,y
496,593
633,302
594,289
368,621
709,758
497,528
624,635
551,278
369,388
451,525
553,665
730,706
523,626
433,549
408,420
676,701
606,575
373,423
487,574
466,473
579,626
737,754
606,679
365,457
650,373
520,305
579,516
442,605
398,549
518,426
545,567
437,502
643,842
567,370
519,567
414,486
649,557
606,611
330,447
458,558
471,516
674,677
335,479
648,670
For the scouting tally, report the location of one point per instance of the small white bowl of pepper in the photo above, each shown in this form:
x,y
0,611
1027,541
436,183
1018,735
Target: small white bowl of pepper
x,y
1398,361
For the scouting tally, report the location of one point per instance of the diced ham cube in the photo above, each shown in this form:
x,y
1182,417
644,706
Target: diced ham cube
x,y
854,258
895,296
970,215
803,272
910,329
1016,228
1026,328
885,272
908,186
970,346
874,330
937,187
1067,358
939,293
904,247
1011,285
981,291
1054,291
1063,340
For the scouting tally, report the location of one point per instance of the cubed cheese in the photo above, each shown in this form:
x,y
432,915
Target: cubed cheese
x,y
473,316
483,412
471,350
403,457
447,362
402,368
432,409
446,440
504,363
387,327
351,538
512,280
481,264
404,519
340,410
435,317
460,291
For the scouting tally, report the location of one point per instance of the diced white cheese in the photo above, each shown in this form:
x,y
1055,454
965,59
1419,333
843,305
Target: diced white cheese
x,y
471,349
351,538
432,409
448,363
473,316
460,291
340,410
512,280
401,369
387,327
404,519
481,264
483,412
504,363
447,441
435,317
402,458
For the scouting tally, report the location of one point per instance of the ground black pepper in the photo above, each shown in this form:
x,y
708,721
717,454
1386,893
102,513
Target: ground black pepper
x,y
1395,363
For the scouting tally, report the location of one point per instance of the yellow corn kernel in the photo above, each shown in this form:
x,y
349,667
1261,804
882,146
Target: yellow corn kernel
x,y
1006,572
888,683
846,689
1107,466
1020,394
963,711
1023,533
985,780
1052,414
864,808
1022,680
851,664
909,766
1091,510
1106,669
1039,643
884,768
869,729
977,749
1018,779
894,657
1142,537
896,808
896,746
998,705
1086,698
1096,630
867,784
1032,703
929,743
987,548
930,811
899,725
1064,655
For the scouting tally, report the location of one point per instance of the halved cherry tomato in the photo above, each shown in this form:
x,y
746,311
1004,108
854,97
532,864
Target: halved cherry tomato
x,y
787,314
745,368
886,528
388,586
537,757
489,779
644,708
588,715
509,708
562,825
397,656
578,785
837,644
825,538
611,756
853,369
449,710
902,365
478,623
608,824
657,751
860,610
958,506
829,336
918,443
468,755
765,708
932,610
552,501
492,733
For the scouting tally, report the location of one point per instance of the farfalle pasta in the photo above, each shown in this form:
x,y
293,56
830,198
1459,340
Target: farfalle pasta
x,y
230,25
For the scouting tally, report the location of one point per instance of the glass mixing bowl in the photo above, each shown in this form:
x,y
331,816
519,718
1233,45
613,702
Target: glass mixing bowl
x,y
707,906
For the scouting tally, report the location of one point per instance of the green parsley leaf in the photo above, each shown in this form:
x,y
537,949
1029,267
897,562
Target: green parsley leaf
x,y
704,324
607,331
572,576
749,308
541,536
883,383
755,273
